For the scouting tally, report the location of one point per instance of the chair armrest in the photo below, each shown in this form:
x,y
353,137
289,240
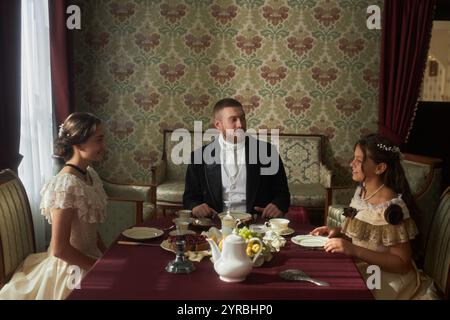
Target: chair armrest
x,y
127,192
337,196
335,216
139,213
325,176
158,173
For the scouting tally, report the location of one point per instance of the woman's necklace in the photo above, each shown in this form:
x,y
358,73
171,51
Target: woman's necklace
x,y
374,193
83,172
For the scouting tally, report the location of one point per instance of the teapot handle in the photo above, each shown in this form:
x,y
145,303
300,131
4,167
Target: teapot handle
x,y
260,248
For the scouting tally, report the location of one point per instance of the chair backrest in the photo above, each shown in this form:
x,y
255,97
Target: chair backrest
x,y
176,171
437,258
301,156
16,225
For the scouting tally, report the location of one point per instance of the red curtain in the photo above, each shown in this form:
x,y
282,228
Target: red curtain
x,y
405,41
61,60
10,33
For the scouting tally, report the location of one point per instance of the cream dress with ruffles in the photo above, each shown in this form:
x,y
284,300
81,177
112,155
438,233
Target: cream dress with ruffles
x,y
369,229
43,276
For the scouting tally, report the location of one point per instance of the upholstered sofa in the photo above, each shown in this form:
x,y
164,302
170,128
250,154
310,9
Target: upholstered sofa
x,y
307,176
424,175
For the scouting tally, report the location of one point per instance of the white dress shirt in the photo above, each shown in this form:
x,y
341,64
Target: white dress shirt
x,y
234,174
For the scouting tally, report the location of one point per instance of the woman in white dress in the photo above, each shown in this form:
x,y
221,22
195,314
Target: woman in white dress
x,y
73,202
379,223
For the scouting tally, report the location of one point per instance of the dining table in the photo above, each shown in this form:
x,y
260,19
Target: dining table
x,y
127,272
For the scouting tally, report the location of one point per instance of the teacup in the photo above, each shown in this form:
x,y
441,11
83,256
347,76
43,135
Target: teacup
x,y
258,228
184,213
182,224
278,224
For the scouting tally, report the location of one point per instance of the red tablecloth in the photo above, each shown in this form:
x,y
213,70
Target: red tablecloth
x,y
138,272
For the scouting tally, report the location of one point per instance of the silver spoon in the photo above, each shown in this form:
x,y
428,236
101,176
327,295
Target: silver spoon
x,y
299,275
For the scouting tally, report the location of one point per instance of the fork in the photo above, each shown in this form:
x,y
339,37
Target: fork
x,y
299,275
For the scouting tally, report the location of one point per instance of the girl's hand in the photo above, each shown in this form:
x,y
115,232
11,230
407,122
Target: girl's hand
x,y
339,245
325,230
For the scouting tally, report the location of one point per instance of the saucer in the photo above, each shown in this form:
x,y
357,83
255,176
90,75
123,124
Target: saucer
x,y
142,233
285,232
180,233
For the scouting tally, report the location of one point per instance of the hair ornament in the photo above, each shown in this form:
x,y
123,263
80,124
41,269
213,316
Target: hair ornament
x,y
384,147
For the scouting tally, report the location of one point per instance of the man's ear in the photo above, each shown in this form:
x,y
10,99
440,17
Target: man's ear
x,y
381,168
217,124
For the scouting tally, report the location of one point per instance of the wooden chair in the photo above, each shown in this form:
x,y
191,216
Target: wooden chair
x,y
16,225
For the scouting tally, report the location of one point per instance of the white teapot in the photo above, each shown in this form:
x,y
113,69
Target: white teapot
x,y
233,264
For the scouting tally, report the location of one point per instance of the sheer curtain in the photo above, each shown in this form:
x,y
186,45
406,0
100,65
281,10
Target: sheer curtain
x,y
36,141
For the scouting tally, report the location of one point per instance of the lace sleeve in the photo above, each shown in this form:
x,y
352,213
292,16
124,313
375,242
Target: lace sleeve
x,y
66,191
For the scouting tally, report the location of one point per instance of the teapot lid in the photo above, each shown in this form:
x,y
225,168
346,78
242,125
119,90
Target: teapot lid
x,y
234,238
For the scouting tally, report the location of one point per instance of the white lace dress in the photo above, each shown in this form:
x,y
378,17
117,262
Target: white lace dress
x,y
43,276
369,229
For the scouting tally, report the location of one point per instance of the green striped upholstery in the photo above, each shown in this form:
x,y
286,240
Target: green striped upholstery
x,y
16,226
437,258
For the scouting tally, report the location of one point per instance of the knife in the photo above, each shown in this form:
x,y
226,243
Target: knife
x,y
133,243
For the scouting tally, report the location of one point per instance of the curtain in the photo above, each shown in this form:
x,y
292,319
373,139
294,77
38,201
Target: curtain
x,y
36,142
9,84
405,40
61,58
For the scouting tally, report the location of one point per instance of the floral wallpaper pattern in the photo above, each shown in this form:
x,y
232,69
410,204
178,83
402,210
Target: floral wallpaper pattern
x,y
302,66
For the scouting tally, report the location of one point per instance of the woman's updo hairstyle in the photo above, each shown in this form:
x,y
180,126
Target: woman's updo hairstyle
x,y
75,130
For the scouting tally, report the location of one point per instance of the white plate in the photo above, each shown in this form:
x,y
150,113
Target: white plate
x,y
166,246
141,233
180,233
309,241
285,232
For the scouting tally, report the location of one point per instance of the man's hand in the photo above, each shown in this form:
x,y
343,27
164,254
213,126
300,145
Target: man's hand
x,y
271,211
203,210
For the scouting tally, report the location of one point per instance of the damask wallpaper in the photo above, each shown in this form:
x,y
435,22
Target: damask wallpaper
x,y
300,66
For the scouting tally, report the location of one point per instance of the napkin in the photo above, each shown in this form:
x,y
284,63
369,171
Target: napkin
x,y
197,256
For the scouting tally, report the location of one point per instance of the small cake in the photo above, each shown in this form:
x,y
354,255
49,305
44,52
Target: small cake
x,y
194,242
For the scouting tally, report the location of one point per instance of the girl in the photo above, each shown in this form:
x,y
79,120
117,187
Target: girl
x,y
73,202
378,225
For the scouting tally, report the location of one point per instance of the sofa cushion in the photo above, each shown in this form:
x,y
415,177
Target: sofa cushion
x,y
302,195
170,191
307,195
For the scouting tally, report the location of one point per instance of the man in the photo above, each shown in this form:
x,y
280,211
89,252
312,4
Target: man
x,y
236,179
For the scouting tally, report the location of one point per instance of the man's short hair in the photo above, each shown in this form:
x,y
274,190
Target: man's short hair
x,y
224,103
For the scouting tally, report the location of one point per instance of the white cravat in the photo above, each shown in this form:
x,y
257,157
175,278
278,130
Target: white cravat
x,y
234,174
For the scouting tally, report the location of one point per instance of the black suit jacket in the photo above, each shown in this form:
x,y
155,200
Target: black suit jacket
x,y
203,182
